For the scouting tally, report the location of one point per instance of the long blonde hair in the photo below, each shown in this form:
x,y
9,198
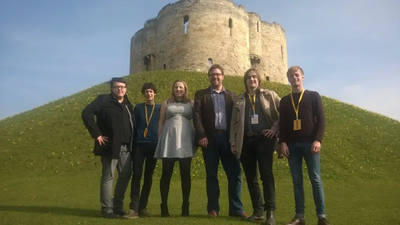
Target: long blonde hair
x,y
185,97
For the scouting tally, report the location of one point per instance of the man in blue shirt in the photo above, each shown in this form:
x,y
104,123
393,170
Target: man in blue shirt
x,y
147,115
211,118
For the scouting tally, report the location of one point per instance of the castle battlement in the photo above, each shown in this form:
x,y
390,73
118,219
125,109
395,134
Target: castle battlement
x,y
193,34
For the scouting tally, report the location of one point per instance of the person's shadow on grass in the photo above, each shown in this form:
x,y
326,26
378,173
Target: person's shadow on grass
x,y
53,210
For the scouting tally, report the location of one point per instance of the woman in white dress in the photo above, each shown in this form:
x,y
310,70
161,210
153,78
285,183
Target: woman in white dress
x,y
176,143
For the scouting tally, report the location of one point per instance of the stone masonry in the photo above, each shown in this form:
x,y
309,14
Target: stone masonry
x,y
193,34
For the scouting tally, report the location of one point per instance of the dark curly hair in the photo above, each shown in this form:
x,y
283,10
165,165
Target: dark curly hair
x,y
149,86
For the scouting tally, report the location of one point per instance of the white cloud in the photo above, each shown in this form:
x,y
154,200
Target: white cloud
x,y
374,88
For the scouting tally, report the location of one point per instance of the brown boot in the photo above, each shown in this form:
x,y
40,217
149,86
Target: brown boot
x,y
323,221
297,221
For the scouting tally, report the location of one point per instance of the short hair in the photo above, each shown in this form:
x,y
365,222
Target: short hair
x,y
247,76
117,79
293,69
216,66
149,86
185,97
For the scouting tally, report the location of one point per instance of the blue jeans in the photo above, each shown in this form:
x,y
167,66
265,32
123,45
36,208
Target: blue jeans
x,y
297,151
220,148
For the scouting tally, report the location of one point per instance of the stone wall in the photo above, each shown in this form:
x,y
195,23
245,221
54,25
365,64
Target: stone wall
x,y
215,32
274,63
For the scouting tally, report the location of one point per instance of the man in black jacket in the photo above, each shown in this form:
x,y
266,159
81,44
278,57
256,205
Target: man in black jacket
x,y
112,132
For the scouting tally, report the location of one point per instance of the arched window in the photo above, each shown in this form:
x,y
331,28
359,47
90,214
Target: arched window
x,y
230,26
186,23
165,66
255,61
210,61
258,26
267,78
282,51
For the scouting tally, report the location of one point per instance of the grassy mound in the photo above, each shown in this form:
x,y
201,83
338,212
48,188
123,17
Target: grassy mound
x,y
50,176
51,139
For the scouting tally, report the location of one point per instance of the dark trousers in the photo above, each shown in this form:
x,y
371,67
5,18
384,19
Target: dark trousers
x,y
143,152
259,150
220,149
167,170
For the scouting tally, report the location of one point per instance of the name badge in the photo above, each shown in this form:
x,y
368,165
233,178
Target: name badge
x,y
254,119
296,124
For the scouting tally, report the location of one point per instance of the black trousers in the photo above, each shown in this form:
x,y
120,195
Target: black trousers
x,y
167,170
143,153
259,151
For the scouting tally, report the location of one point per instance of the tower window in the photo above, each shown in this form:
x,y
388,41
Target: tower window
x,y
165,66
149,62
258,26
282,51
267,78
186,23
255,62
230,26
210,61
146,62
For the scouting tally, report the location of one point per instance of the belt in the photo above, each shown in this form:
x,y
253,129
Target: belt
x,y
220,131
255,134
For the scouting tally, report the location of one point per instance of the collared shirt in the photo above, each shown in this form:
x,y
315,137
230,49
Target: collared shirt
x,y
219,108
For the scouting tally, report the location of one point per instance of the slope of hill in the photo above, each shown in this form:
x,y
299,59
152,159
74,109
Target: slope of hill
x,y
51,139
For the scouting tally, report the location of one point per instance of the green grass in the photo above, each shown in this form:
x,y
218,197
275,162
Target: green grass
x,y
49,175
73,199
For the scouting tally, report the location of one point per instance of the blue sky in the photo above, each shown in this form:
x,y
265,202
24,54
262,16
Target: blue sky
x,y
350,50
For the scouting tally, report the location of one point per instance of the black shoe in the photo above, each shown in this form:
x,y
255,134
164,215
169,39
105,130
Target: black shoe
x,y
110,215
255,217
270,218
164,210
185,209
121,213
143,213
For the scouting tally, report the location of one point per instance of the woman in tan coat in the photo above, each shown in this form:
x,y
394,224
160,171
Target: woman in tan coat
x,y
254,125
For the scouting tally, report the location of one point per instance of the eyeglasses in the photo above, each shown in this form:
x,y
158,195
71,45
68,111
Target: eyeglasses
x,y
119,87
215,74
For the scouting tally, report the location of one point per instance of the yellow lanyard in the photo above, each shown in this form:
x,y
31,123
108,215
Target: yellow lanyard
x,y
253,103
148,119
296,109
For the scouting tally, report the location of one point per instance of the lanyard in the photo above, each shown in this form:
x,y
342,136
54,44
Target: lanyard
x,y
296,109
253,103
151,115
148,119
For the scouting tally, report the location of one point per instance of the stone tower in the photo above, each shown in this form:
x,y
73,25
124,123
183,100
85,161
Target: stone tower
x,y
193,34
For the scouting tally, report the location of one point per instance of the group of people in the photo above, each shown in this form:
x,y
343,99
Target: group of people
x,y
242,130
